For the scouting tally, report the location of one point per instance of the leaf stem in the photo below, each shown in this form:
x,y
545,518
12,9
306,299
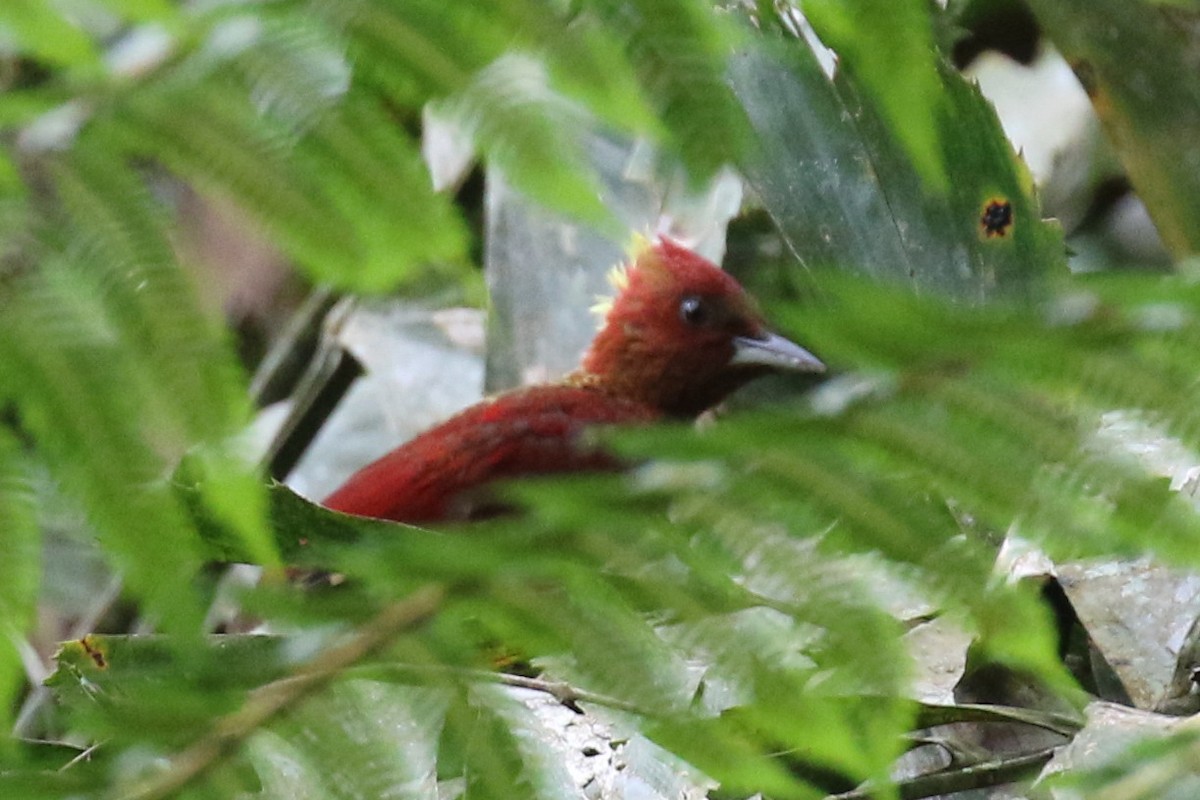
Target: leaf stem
x,y
272,698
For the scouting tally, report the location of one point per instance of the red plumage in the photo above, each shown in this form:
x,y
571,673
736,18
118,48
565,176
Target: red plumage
x,y
681,335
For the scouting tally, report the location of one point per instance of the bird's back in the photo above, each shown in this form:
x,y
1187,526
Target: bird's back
x,y
443,473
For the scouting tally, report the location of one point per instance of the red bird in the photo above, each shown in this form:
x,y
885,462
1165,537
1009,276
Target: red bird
x,y
680,335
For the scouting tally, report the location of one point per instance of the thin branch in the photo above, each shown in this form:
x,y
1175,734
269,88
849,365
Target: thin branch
x,y
84,755
267,701
974,776
287,360
561,691
567,694
930,715
326,381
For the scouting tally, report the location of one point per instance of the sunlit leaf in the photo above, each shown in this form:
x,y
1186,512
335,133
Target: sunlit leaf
x,y
43,31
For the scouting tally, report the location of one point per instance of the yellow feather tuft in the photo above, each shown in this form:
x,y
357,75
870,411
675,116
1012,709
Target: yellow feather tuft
x,y
600,308
618,279
638,244
618,276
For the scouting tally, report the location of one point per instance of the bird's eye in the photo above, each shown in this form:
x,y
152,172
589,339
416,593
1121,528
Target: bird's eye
x,y
693,310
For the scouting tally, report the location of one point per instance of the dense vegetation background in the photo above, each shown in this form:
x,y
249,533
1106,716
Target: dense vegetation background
x,y
735,616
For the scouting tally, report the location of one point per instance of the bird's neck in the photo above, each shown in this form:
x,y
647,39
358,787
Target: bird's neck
x,y
628,388
604,384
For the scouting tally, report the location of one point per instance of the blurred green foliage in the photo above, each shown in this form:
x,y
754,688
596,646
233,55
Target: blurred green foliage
x,y
719,598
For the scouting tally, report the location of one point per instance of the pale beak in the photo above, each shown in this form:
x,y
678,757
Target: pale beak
x,y
771,350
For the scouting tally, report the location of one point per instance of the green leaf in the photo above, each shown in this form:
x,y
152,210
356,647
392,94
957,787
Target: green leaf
x,y
44,32
590,64
530,133
147,303
680,50
1137,61
395,735
723,747
844,192
117,663
415,52
721,595
171,348
376,181
10,180
222,146
133,688
887,46
144,10
58,362
498,742
20,570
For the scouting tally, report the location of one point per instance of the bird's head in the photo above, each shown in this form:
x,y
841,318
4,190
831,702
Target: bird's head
x,y
681,334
